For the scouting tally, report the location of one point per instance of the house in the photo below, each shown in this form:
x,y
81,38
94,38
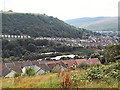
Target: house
x,y
9,69
9,65
37,69
73,63
19,63
35,62
69,63
43,68
27,63
10,74
5,71
60,66
78,61
93,61
40,67
53,62
88,61
57,65
33,66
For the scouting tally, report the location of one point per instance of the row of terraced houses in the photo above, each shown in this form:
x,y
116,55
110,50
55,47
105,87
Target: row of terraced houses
x,y
40,67
14,36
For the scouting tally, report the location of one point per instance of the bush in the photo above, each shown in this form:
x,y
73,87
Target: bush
x,y
83,65
55,71
103,72
95,55
29,72
112,53
65,58
94,73
45,73
96,65
17,74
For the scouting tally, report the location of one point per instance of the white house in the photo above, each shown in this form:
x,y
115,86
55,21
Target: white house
x,y
37,69
11,74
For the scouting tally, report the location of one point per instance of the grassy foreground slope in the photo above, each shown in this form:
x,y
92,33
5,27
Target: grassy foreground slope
x,y
97,76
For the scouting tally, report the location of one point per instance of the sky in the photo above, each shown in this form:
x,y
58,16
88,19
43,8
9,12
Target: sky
x,y
64,9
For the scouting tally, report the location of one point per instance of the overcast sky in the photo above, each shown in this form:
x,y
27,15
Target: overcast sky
x,y
64,9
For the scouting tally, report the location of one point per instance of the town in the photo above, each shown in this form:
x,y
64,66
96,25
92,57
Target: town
x,y
92,41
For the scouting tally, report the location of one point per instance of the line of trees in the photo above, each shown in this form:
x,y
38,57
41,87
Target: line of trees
x,y
30,49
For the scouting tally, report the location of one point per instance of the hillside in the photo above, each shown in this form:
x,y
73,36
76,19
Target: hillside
x,y
37,25
96,23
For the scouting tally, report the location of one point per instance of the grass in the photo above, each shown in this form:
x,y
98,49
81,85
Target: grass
x,y
57,80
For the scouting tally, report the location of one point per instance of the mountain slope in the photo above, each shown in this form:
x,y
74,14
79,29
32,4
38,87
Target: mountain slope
x,y
96,23
37,25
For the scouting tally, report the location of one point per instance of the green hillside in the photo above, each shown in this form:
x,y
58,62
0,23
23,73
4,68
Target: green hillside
x,y
37,25
96,23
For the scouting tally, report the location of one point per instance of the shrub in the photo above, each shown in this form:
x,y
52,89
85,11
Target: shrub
x,y
112,53
65,58
45,73
29,72
55,71
83,65
96,65
95,55
94,73
17,74
103,72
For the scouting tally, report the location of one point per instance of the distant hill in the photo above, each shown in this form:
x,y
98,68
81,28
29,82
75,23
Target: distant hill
x,y
96,23
38,25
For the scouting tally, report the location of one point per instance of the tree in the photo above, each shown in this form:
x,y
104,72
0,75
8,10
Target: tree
x,y
17,74
31,47
29,72
111,52
10,11
95,55
65,58
83,65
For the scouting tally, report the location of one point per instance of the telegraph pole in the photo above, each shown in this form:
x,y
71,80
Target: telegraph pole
x,y
4,5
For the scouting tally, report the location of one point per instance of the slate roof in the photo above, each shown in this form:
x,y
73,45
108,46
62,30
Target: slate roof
x,y
69,63
62,64
42,62
35,62
17,69
27,63
51,66
5,70
78,61
45,67
9,65
19,63
53,62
